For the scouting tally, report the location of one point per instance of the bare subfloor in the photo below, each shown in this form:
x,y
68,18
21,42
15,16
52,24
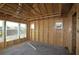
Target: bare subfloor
x,y
28,48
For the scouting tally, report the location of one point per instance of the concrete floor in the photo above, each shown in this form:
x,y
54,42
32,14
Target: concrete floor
x,y
28,48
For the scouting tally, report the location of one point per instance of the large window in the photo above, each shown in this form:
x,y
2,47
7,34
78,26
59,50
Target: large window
x,y
12,31
1,31
23,28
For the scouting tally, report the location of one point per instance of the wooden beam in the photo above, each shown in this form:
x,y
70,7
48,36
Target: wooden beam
x,y
46,8
32,8
10,13
28,12
39,9
49,16
11,7
15,11
42,9
60,7
21,19
1,5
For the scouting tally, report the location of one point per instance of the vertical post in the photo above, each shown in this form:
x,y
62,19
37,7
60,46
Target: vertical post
x,y
28,30
19,31
35,31
4,34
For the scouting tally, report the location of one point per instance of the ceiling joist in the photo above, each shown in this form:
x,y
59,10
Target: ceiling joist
x,y
1,5
36,11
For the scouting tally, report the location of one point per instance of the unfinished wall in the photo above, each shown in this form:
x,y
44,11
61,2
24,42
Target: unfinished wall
x,y
68,33
45,31
68,29
77,30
